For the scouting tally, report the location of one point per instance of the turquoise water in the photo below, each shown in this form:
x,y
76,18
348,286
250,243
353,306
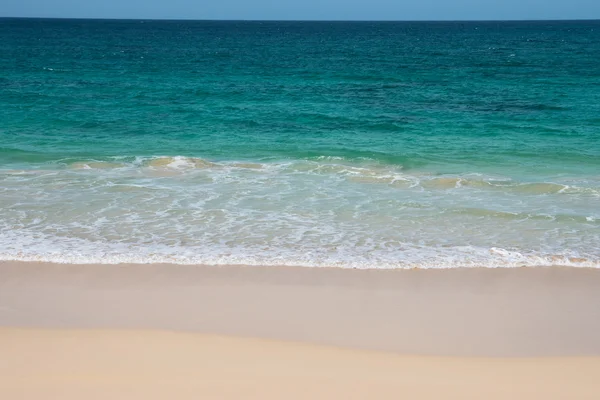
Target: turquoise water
x,y
364,145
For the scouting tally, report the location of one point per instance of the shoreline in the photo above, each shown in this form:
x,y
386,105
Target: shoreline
x,y
520,312
556,262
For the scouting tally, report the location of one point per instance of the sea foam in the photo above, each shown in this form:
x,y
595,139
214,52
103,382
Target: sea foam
x,y
325,212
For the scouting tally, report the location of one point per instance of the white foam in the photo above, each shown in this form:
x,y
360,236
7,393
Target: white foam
x,y
35,247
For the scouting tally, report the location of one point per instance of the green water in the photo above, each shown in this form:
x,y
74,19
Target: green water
x,y
376,145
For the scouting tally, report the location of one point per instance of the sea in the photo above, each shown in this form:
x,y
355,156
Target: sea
x,y
317,144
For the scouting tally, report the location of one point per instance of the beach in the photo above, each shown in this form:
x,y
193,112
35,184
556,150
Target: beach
x,y
299,209
103,364
266,332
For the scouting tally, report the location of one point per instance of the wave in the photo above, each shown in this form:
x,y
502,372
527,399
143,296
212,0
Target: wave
x,y
326,211
364,170
38,248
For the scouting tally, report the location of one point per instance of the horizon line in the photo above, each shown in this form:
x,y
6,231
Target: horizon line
x,y
301,20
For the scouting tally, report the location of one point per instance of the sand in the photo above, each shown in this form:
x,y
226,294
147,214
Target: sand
x,y
167,331
106,364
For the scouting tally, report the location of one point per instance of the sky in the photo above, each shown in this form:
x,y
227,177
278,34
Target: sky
x,y
305,9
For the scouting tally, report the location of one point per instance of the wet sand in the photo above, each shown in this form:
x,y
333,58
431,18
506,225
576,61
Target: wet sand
x,y
461,312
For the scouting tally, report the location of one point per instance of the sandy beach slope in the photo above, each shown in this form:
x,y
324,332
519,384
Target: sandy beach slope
x,y
457,312
164,331
107,364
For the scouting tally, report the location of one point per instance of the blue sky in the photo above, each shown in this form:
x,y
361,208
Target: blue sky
x,y
306,9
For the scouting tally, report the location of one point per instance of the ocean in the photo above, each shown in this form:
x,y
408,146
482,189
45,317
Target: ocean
x,y
333,144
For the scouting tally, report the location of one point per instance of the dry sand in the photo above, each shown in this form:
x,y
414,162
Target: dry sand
x,y
106,331
106,364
